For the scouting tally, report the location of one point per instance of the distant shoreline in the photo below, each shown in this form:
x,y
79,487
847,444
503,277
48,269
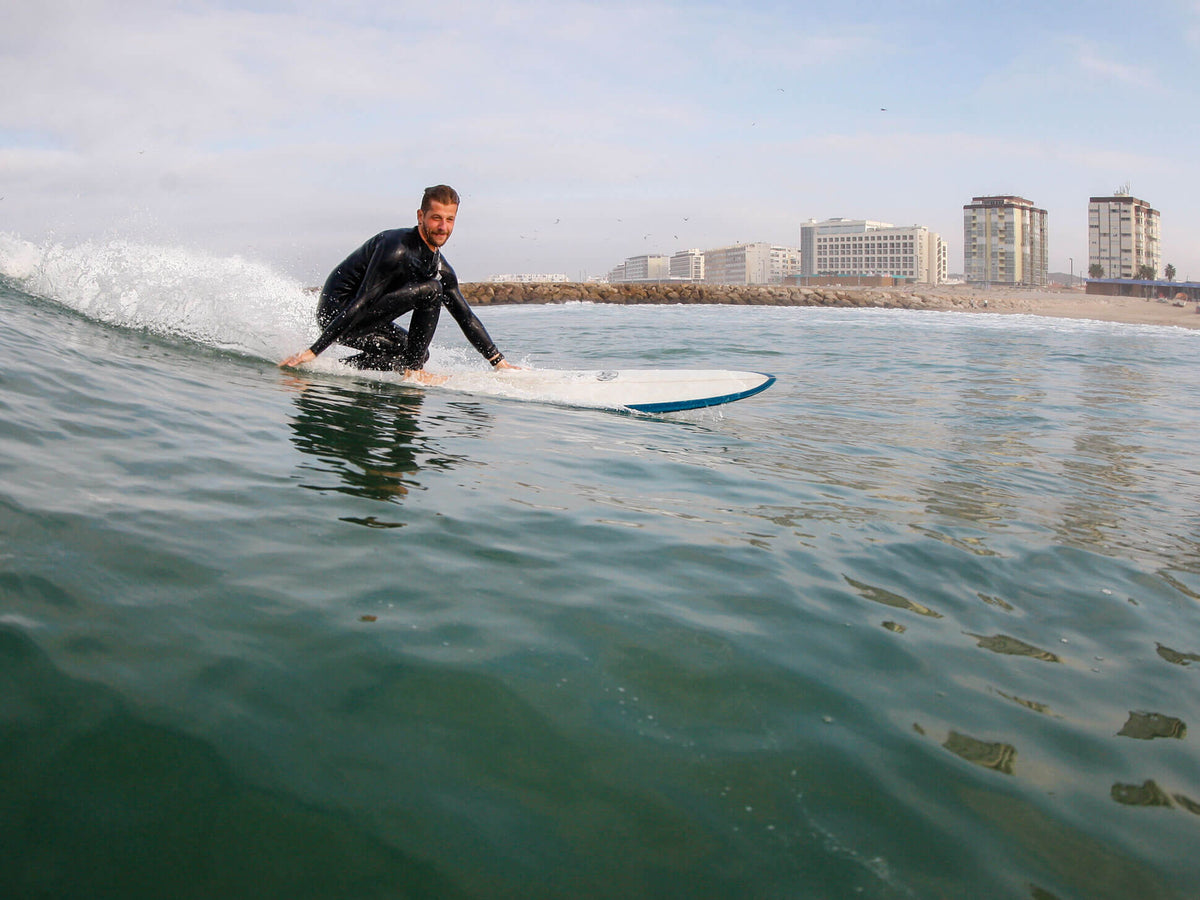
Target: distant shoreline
x,y
955,298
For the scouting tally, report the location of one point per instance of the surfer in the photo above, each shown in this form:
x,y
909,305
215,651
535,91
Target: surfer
x,y
395,272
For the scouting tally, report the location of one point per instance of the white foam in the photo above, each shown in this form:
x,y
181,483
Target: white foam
x,y
229,303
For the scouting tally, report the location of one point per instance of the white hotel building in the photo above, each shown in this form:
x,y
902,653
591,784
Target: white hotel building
x,y
861,247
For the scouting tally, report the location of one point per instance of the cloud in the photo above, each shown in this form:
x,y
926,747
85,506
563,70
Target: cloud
x,y
101,74
293,129
1191,14
984,151
1112,65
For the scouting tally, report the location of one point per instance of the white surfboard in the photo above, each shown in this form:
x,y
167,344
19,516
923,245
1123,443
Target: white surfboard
x,y
642,390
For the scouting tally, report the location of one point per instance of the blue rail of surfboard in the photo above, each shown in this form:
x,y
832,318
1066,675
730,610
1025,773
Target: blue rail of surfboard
x,y
700,403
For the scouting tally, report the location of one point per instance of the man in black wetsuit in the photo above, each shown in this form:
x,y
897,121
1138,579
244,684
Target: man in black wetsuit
x,y
393,273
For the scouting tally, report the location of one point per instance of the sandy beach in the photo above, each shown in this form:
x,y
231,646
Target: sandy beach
x,y
1074,305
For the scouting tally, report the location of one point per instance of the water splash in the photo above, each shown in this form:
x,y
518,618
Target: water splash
x,y
229,303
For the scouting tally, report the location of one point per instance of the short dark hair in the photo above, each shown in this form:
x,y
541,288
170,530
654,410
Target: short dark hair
x,y
439,193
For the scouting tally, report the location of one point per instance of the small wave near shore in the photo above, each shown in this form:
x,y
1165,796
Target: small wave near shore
x,y
948,298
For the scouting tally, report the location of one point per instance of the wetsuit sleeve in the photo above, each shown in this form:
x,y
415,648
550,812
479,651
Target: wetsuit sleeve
x,y
471,327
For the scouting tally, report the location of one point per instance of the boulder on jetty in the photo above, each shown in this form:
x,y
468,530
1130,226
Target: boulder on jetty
x,y
489,293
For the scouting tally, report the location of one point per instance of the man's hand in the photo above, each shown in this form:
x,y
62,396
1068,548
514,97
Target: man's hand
x,y
298,359
505,364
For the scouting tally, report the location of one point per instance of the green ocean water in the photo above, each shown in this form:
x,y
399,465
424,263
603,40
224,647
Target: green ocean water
x,y
919,621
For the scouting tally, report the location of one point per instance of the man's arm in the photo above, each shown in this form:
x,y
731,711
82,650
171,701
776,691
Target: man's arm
x,y
472,328
357,313
370,285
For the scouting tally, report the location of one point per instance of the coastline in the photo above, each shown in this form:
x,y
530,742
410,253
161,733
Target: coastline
x,y
1066,304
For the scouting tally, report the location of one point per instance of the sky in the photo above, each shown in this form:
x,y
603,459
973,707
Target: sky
x,y
581,133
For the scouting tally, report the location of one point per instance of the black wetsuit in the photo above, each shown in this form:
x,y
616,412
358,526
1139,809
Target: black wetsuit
x,y
393,273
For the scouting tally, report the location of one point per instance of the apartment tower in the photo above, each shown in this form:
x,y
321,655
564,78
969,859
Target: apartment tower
x,y
1004,242
1123,237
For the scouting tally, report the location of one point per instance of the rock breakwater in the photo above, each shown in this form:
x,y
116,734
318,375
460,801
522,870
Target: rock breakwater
x,y
486,293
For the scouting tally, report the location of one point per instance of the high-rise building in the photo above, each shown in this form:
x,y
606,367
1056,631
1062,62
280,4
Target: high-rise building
x,y
862,247
1123,236
1004,242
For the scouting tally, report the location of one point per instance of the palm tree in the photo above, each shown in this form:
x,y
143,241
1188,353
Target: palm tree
x,y
1169,272
1145,272
1095,270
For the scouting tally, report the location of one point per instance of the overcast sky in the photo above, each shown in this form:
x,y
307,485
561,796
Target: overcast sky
x,y
581,133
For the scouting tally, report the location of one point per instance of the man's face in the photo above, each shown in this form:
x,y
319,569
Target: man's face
x,y
437,222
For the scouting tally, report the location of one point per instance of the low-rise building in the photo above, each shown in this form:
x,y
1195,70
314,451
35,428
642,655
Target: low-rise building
x,y
785,263
756,263
687,265
647,267
527,279
616,275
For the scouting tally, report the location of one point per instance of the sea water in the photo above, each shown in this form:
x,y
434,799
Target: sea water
x,y
922,620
